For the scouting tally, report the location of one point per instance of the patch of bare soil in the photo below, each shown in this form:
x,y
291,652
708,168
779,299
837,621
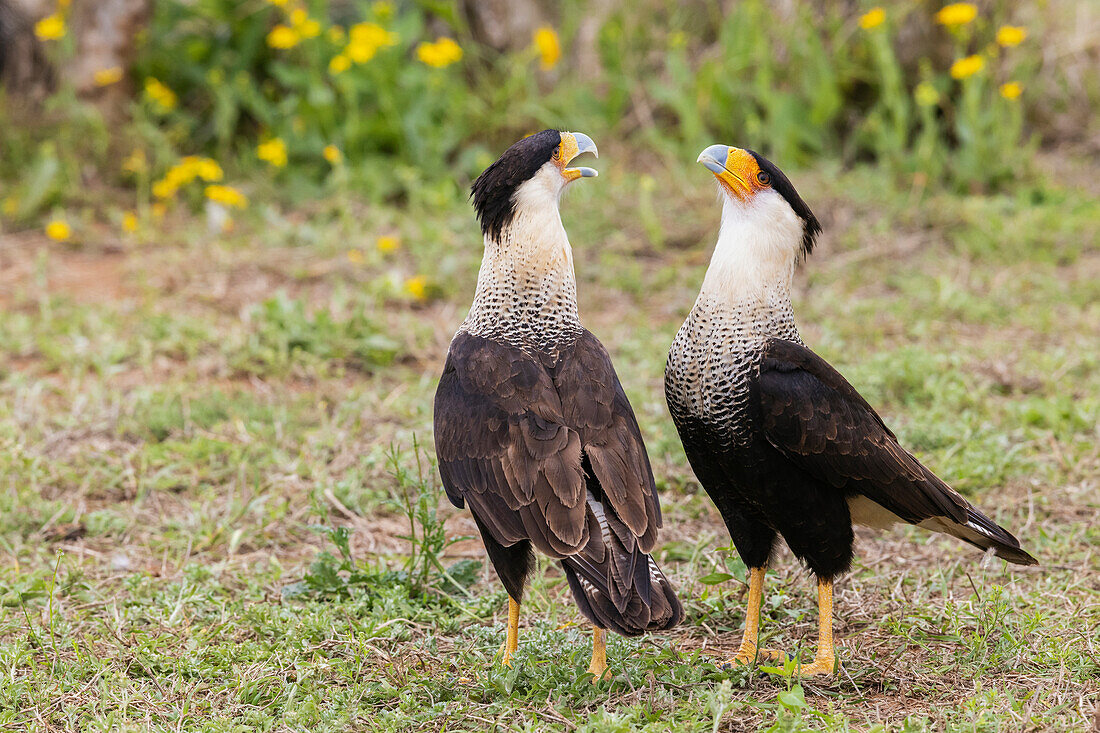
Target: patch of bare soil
x,y
29,262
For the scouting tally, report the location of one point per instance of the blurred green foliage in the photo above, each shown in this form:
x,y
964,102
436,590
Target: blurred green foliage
x,y
308,97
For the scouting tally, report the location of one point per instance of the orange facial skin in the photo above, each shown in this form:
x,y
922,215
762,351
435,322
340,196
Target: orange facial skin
x,y
736,170
572,145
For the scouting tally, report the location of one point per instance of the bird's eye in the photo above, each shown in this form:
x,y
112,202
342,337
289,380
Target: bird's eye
x,y
764,178
557,152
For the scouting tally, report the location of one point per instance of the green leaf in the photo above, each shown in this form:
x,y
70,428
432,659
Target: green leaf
x,y
715,578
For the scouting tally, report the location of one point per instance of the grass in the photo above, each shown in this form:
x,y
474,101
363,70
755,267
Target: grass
x,y
218,509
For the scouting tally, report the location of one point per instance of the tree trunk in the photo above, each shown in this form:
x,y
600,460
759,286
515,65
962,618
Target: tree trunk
x,y
104,34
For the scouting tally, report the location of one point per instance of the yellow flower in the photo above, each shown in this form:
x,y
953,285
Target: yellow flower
x,y
10,206
278,3
926,94
967,67
1012,90
335,34
444,52
135,162
356,257
546,41
204,168
158,209
387,244
956,14
382,9
107,77
339,64
306,26
50,28
226,195
58,231
364,40
332,154
417,287
1011,35
161,94
873,18
273,151
129,222
284,37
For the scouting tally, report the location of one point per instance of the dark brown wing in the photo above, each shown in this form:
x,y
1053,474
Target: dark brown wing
x,y
595,405
504,447
817,419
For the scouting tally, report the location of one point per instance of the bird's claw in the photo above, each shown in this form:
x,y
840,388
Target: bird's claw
x,y
744,657
819,667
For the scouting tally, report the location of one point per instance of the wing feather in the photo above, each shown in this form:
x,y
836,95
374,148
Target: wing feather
x,y
817,419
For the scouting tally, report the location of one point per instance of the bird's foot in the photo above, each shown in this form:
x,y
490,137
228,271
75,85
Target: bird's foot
x,y
599,672
821,666
748,656
506,655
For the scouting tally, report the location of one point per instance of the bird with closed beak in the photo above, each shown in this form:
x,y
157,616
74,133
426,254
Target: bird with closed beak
x,y
533,430
781,442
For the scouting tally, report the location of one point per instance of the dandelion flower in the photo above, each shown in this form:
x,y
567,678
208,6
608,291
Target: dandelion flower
x,y
283,37
1011,35
444,52
50,28
107,77
1012,90
382,10
273,151
549,48
356,257
873,18
129,222
364,40
338,64
956,14
926,94
164,97
58,230
333,155
226,195
387,244
967,67
135,162
417,287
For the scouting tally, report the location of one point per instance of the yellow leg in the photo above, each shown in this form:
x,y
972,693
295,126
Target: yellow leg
x,y
825,661
598,667
512,640
748,651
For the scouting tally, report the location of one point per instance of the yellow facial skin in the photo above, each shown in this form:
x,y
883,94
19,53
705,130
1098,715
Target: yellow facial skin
x,y
736,170
572,145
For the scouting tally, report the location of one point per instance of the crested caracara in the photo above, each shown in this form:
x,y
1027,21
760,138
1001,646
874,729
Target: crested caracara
x,y
532,429
781,442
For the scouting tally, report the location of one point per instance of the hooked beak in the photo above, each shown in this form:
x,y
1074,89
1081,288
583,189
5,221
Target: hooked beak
x,y
572,145
716,159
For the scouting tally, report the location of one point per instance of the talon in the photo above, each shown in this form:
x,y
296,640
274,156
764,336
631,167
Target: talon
x,y
819,667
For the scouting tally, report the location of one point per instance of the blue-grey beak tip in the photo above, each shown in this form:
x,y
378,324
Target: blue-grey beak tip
x,y
714,158
585,144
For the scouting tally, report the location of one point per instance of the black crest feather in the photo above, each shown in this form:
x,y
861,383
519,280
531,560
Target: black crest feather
x,y
784,187
493,190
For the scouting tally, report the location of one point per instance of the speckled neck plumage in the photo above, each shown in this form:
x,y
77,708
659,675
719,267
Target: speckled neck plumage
x,y
745,301
526,289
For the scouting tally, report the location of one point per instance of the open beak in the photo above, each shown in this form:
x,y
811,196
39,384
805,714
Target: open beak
x,y
572,145
716,160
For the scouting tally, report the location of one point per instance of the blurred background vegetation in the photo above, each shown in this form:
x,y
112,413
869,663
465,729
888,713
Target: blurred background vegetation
x,y
405,102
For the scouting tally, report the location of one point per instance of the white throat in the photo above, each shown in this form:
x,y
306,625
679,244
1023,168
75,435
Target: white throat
x,y
526,288
758,244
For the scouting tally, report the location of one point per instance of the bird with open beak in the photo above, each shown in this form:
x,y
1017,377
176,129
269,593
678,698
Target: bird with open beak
x,y
781,442
533,430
